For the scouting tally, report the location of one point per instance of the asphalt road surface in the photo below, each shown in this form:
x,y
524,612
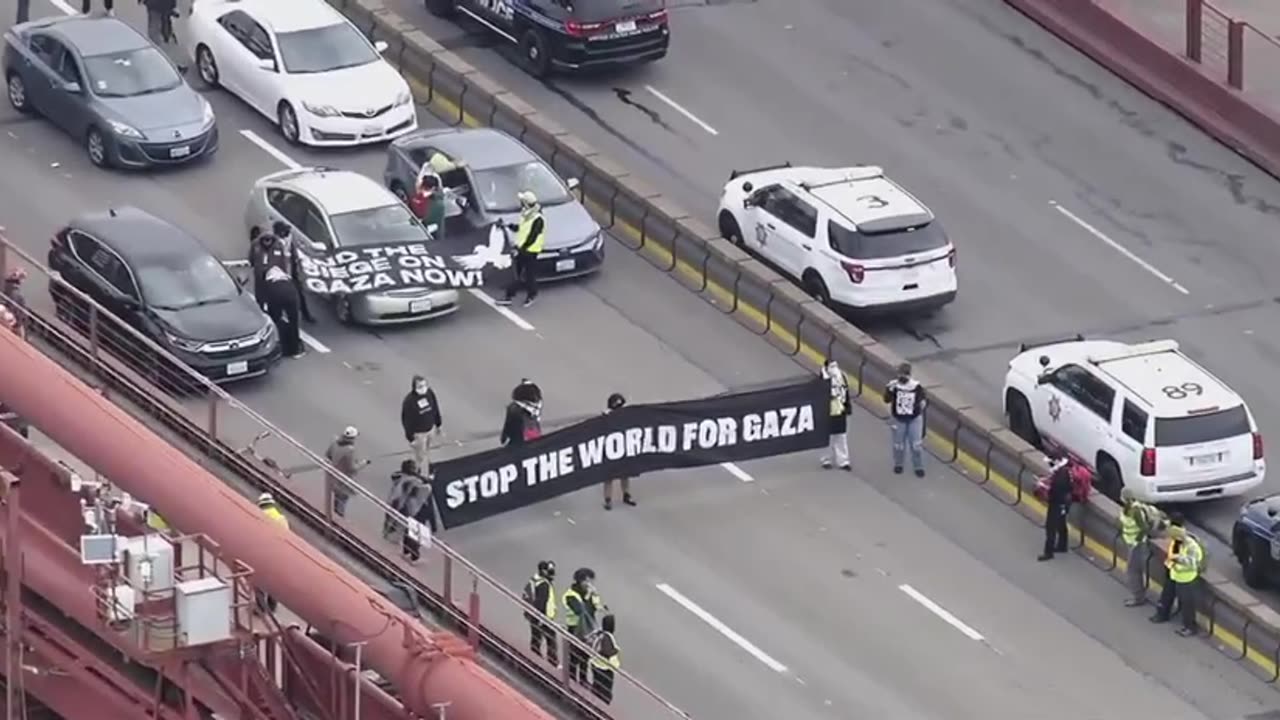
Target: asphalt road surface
x,y
776,590
1077,204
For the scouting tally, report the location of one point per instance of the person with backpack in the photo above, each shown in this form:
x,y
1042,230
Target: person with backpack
x,y
523,422
1185,562
1139,523
540,593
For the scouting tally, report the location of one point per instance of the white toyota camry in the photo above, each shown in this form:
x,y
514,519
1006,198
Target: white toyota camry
x,y
302,64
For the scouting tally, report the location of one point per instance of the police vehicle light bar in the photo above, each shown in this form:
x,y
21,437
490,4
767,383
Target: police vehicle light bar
x,y
1155,347
1023,347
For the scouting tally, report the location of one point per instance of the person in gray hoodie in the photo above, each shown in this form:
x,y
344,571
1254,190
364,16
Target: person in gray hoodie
x,y
343,455
402,481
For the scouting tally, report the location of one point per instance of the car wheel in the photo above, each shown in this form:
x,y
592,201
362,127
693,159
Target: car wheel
x,y
1018,414
1252,564
533,53
441,8
817,289
18,93
730,231
207,66
95,145
1110,481
288,121
342,308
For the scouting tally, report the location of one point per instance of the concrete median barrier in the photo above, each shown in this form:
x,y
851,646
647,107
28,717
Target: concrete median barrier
x,y
679,242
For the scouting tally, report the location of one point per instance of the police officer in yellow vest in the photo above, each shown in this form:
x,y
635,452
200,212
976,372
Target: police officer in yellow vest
x,y
531,235
267,503
1139,523
540,592
1184,562
581,605
609,659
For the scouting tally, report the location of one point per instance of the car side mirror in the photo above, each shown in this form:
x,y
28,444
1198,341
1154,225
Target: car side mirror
x,y
267,64
72,88
573,183
381,46
1044,378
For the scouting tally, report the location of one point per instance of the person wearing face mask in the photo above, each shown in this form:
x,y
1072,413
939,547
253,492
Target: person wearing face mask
x,y
273,286
837,417
531,234
420,417
615,402
524,415
906,400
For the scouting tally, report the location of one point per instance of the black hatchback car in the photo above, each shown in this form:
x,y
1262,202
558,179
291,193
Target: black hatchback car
x,y
160,280
571,35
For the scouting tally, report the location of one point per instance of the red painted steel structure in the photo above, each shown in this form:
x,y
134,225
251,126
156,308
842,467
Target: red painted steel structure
x,y
426,668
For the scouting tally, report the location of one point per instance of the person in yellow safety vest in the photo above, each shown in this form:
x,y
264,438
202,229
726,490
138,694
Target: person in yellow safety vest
x,y
531,235
1184,562
581,606
603,667
155,522
540,592
267,503
1139,522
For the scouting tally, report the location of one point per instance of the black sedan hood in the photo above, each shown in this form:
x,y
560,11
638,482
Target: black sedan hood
x,y
235,318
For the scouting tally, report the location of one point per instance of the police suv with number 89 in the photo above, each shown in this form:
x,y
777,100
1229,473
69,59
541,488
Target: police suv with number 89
x,y
1143,416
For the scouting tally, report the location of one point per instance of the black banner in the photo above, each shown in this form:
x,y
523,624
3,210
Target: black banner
x,y
457,262
634,440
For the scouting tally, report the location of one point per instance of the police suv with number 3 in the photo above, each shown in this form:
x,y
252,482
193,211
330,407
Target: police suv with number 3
x,y
1143,416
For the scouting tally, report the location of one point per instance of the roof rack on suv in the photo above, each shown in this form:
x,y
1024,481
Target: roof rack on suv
x,y
1153,347
735,174
1023,347
853,173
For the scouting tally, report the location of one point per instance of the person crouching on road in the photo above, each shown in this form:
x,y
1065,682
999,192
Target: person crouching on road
x,y
615,402
421,418
345,457
1059,504
540,593
1184,564
604,667
1139,523
838,417
273,283
284,232
524,415
906,399
531,235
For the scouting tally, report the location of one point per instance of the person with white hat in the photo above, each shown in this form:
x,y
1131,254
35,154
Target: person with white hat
x,y
345,458
531,234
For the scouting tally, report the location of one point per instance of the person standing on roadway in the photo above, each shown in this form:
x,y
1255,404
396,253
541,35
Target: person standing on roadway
x,y
838,418
411,506
274,286
402,481
906,400
524,415
1059,504
1139,522
531,235
581,605
540,593
604,667
420,418
345,457
267,504
615,402
1184,564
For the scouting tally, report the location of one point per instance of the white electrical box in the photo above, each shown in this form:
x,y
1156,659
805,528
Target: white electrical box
x,y
204,610
101,549
121,601
150,559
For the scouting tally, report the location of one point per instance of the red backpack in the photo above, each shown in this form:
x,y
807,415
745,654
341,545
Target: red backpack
x,y
1081,482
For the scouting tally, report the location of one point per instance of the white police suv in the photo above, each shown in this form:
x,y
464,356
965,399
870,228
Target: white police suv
x,y
1144,416
851,236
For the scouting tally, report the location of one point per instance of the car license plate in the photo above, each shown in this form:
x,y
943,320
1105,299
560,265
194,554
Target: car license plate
x,y
1211,459
237,368
626,26
565,265
180,152
420,306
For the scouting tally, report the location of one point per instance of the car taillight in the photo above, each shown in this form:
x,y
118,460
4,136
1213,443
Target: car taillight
x,y
856,272
578,29
657,17
1257,446
1148,467
951,257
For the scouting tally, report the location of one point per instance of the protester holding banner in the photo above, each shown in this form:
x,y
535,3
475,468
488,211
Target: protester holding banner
x,y
524,415
615,402
420,417
402,481
838,417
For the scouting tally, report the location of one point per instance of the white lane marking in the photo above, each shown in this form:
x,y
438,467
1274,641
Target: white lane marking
x,y
1120,248
737,472
720,627
680,109
502,310
270,149
63,7
942,612
314,343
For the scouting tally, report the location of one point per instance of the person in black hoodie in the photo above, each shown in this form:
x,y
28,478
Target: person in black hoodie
x,y
524,415
420,417
1059,504
615,402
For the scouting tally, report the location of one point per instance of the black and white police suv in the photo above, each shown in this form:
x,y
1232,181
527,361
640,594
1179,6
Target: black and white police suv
x,y
571,34
852,237
1144,416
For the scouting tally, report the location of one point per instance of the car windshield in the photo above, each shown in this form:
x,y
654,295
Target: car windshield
x,y
385,225
497,187
1172,432
176,283
598,10
891,244
323,49
131,73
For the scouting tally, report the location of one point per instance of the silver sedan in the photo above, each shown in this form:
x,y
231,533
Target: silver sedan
x,y
329,209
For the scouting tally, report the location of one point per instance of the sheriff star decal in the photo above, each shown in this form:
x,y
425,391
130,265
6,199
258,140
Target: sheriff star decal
x,y
1055,408
761,234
